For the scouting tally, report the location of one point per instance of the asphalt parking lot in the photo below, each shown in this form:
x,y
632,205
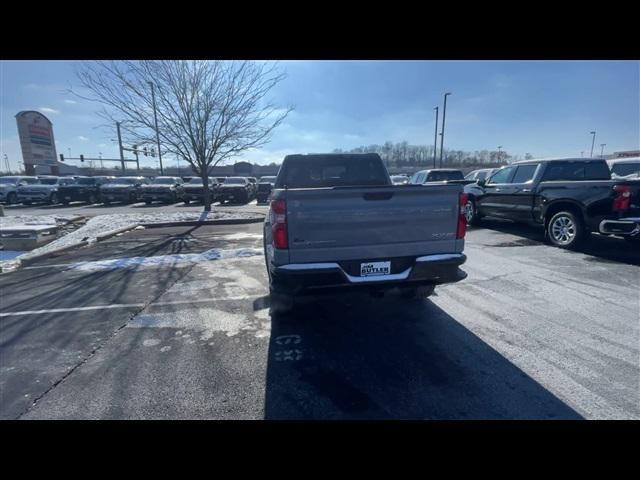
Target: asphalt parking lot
x,y
534,332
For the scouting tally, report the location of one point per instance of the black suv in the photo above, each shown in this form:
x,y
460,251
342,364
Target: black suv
x,y
264,189
194,190
122,189
164,189
83,189
236,190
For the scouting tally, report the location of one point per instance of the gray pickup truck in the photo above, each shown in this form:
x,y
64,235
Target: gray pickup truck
x,y
336,221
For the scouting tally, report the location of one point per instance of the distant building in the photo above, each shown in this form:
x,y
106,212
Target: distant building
x,y
628,153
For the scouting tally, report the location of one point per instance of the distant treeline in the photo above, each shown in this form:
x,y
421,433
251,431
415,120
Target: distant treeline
x,y
402,154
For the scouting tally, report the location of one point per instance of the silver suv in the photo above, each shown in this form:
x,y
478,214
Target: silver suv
x,y
44,191
9,187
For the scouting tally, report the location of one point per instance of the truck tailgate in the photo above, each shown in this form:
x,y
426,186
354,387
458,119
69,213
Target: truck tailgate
x,y
331,224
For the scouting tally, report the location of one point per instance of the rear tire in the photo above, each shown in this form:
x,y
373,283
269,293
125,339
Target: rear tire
x,y
148,202
471,213
92,199
186,201
26,203
53,199
565,230
12,198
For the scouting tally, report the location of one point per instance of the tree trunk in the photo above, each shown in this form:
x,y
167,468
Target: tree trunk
x,y
206,199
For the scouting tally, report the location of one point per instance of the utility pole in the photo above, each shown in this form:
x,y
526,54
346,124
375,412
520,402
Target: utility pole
x,y
120,146
499,153
6,161
602,149
435,138
593,141
155,119
444,113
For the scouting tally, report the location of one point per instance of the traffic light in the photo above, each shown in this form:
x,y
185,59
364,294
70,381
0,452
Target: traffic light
x,y
81,158
145,151
61,157
153,152
135,149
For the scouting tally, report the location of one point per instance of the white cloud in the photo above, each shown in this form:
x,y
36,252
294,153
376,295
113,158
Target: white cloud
x,y
48,110
72,102
82,138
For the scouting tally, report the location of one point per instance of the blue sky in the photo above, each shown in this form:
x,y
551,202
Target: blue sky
x,y
546,108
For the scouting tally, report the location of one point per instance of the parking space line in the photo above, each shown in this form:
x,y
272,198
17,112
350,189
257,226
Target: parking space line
x,y
124,305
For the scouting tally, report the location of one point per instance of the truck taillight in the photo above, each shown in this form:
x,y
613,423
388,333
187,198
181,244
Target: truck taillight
x,y
622,200
462,220
278,219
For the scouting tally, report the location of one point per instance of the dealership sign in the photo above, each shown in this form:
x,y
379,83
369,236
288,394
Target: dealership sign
x,y
36,138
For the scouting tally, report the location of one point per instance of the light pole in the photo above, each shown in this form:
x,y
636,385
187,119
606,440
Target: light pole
x,y
155,120
435,138
444,113
602,145
499,153
120,146
593,141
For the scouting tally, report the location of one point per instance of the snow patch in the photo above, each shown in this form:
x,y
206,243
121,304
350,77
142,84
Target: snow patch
x,y
165,260
106,223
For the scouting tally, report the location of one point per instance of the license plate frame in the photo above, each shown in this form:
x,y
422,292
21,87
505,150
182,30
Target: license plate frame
x,y
375,269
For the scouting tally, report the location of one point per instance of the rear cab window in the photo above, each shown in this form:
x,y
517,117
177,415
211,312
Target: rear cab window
x,y
323,171
573,171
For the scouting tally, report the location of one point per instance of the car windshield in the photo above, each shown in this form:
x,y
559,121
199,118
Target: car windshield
x,y
624,169
125,181
9,180
441,176
197,181
86,181
164,181
235,181
49,181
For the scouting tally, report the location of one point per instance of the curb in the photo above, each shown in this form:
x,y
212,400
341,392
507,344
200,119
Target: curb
x,y
195,223
115,232
51,253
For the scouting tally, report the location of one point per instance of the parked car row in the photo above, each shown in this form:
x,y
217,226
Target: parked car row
x,y
108,189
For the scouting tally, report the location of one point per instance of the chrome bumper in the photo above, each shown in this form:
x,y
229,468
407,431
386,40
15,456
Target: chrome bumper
x,y
622,226
454,258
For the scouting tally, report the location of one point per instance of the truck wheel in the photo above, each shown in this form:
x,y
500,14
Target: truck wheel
x,y
132,198
148,202
106,203
12,198
471,212
26,203
53,199
65,203
186,201
565,230
92,198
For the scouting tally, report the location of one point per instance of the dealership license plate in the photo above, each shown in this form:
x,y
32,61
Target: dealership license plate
x,y
371,269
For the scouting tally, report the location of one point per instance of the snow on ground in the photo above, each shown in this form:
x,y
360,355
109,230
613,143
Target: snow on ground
x,y
105,223
35,220
165,260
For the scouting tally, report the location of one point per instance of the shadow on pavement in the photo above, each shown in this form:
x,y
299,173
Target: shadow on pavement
x,y
602,248
352,357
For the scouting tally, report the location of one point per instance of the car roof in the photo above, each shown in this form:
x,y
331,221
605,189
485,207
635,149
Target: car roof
x,y
556,159
623,160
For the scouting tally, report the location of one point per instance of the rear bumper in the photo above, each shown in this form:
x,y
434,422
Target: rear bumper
x,y
310,278
621,226
157,196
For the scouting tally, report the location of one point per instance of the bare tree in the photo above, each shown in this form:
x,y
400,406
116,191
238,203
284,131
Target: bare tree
x,y
208,111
